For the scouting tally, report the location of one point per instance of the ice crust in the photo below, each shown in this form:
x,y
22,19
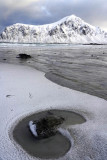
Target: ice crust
x,y
89,138
70,29
32,128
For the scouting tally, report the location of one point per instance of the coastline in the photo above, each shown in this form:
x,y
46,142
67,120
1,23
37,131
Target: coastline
x,y
82,68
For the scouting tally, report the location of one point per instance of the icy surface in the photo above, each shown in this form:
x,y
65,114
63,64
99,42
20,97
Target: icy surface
x,y
24,90
32,128
70,29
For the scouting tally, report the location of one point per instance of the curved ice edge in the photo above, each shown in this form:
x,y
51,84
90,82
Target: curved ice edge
x,y
66,133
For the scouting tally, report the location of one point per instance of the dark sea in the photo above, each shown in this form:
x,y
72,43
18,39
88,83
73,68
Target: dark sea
x,y
80,67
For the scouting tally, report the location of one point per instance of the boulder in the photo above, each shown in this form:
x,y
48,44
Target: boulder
x,y
23,56
45,127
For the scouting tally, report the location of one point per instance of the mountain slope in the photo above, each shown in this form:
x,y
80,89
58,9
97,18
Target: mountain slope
x,y
70,29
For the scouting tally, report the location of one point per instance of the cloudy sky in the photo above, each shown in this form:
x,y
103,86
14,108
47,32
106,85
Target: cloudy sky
x,y
48,11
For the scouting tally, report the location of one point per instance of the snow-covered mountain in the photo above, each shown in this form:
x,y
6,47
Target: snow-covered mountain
x,y
70,29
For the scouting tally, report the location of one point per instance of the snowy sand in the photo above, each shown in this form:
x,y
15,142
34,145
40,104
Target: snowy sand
x,y
24,90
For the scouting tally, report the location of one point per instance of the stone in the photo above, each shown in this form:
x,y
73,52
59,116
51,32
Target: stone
x,y
23,56
47,127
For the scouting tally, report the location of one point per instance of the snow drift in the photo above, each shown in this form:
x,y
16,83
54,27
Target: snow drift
x,y
70,29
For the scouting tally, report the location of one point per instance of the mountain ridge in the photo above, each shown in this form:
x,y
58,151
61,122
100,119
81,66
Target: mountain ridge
x,y
70,29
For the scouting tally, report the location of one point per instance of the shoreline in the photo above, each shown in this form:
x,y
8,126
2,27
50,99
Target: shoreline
x,y
81,68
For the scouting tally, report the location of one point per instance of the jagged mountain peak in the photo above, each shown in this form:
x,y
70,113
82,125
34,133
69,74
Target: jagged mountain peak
x,y
70,29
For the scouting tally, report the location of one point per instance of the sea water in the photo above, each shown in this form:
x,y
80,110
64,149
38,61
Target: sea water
x,y
80,67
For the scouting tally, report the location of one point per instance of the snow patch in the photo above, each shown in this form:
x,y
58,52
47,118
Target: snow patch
x,y
32,128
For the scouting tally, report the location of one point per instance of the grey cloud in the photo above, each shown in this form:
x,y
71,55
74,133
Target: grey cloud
x,y
44,11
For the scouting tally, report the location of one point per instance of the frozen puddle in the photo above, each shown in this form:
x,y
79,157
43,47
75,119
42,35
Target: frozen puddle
x,y
52,147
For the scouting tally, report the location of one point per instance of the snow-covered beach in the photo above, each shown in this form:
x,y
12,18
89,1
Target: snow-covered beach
x,y
24,90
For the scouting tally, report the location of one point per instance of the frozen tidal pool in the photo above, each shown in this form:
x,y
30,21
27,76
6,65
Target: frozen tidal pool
x,y
52,147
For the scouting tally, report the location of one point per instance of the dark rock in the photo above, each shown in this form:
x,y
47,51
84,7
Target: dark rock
x,y
94,44
84,32
23,56
47,126
53,31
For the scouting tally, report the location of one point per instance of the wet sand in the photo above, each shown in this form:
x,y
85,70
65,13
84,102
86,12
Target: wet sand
x,y
79,67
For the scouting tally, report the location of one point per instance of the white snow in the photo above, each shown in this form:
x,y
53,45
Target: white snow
x,y
70,29
28,92
32,128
